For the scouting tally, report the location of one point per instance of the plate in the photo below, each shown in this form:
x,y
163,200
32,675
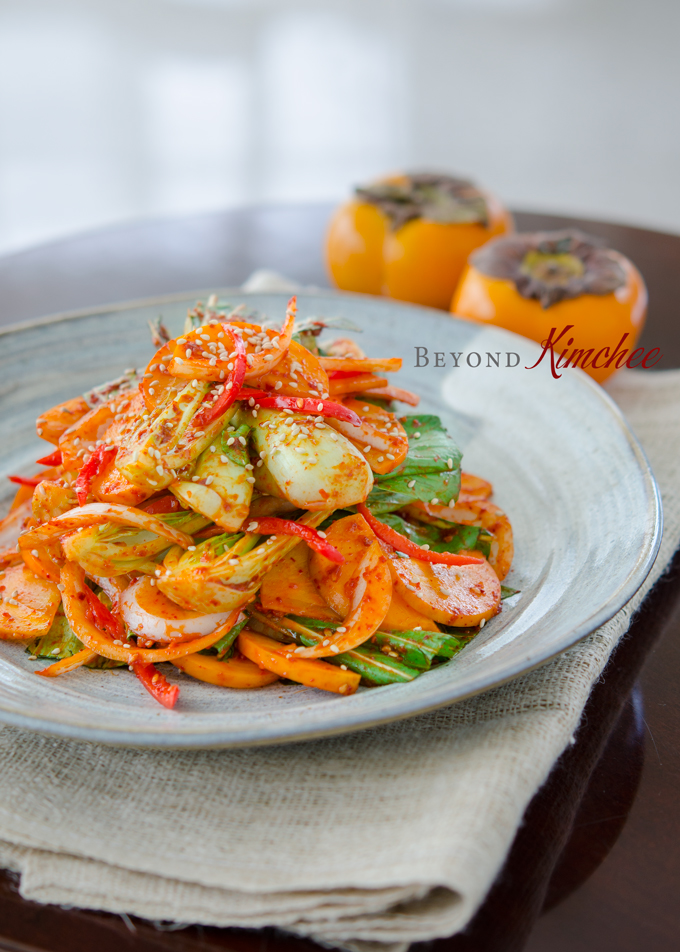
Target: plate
x,y
580,495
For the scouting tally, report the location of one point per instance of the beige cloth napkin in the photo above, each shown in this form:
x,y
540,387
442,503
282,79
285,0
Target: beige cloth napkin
x,y
389,835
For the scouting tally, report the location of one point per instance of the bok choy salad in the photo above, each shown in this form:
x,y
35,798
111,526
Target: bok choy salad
x,y
252,507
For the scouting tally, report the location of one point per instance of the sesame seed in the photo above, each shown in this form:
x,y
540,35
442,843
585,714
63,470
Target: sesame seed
x,y
367,448
250,479
210,480
233,561
426,546
416,436
35,553
449,463
39,431
411,484
343,667
335,649
157,572
224,459
322,534
341,629
434,501
381,459
242,440
231,441
325,642
191,548
482,623
390,456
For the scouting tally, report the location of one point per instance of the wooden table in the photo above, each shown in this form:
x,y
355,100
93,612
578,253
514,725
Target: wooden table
x,y
595,866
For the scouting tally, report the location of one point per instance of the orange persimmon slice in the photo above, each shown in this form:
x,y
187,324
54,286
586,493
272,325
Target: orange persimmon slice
x,y
28,604
458,595
235,672
281,659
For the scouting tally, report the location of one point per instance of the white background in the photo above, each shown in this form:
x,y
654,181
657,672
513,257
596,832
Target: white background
x,y
119,109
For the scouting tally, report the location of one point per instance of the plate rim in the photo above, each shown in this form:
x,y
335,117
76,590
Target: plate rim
x,y
221,739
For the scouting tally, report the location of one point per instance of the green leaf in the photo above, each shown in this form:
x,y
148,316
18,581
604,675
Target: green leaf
x,y
507,592
61,642
431,469
237,452
417,649
307,339
224,648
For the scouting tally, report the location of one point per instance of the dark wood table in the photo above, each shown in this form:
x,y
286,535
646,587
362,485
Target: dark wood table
x,y
595,866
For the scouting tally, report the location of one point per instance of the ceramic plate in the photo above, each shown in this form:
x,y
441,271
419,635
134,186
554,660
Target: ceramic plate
x,y
581,497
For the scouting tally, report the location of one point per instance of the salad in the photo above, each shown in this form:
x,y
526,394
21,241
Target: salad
x,y
252,507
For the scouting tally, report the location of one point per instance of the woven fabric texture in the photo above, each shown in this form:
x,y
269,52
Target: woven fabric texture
x,y
389,835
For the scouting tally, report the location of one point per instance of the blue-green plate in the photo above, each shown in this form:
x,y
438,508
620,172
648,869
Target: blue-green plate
x,y
582,500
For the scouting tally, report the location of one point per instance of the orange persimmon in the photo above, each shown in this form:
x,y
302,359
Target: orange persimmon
x,y
532,283
409,236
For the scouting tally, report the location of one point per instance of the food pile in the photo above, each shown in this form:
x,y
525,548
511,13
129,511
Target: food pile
x,y
250,508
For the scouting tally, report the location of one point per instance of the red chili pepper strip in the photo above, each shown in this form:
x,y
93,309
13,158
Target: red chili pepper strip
x,y
100,459
156,684
325,408
275,526
162,504
231,386
103,618
54,459
402,544
25,480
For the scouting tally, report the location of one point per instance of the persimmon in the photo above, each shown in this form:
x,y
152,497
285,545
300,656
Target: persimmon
x,y
532,283
409,236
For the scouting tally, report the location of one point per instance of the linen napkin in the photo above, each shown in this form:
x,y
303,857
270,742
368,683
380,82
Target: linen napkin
x,y
389,835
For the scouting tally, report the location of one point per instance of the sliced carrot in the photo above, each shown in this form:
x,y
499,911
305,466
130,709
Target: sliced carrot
x,y
68,664
355,384
282,660
235,672
360,365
